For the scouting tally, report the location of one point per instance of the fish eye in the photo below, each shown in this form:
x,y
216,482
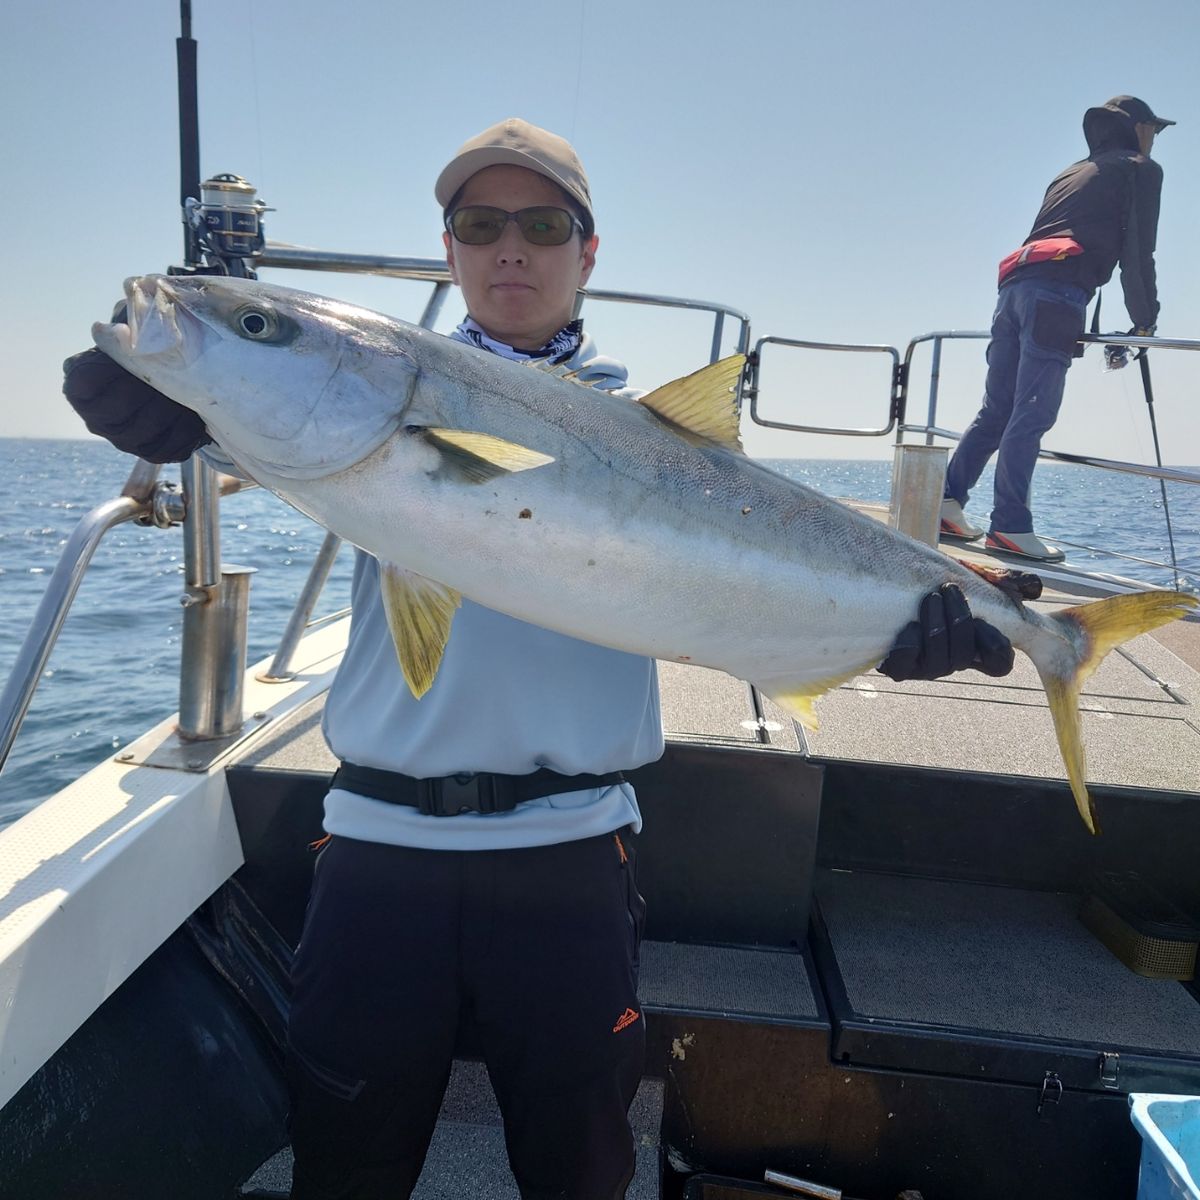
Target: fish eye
x,y
259,324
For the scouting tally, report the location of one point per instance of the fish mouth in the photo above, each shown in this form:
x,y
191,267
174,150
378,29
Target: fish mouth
x,y
157,324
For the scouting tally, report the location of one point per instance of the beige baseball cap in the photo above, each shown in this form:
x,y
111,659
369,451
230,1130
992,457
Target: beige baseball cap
x,y
518,144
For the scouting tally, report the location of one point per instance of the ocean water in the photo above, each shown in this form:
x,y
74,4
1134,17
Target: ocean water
x,y
114,670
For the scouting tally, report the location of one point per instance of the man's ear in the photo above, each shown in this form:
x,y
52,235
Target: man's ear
x,y
448,242
589,258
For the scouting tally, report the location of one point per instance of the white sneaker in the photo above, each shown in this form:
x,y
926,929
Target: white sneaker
x,y
955,523
1028,545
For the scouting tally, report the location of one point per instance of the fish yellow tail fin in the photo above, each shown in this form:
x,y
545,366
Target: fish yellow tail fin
x,y
1095,629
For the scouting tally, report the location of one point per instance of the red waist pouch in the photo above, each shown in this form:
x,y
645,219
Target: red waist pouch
x,y
1043,250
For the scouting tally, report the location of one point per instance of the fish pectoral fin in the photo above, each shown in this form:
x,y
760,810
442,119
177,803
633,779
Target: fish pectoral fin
x,y
703,403
478,457
561,371
1018,586
798,699
419,612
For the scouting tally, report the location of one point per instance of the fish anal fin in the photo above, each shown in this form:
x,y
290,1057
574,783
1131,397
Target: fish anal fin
x,y
798,705
798,699
479,457
419,612
704,403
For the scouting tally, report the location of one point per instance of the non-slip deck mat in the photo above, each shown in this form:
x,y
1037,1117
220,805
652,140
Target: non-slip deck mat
x,y
723,979
996,959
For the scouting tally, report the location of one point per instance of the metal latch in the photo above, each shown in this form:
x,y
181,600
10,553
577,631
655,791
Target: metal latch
x,y
1110,1068
1050,1092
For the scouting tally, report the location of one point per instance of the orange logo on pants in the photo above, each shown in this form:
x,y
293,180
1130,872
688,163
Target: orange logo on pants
x,y
626,1019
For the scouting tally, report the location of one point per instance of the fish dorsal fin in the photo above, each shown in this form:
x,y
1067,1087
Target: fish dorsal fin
x,y
798,699
419,612
478,457
704,402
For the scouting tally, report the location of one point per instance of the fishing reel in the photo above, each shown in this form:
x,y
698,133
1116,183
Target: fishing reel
x,y
1115,357
227,223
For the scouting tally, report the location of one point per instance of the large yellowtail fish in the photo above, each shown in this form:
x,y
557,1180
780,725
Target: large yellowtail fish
x,y
637,525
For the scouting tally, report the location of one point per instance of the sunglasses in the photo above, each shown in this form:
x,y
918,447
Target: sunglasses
x,y
481,225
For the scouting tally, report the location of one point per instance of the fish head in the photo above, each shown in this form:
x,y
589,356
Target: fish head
x,y
289,383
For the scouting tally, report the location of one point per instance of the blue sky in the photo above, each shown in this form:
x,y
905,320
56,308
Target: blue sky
x,y
846,172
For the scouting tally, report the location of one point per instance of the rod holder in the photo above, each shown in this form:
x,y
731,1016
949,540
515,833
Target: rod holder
x,y
214,656
918,478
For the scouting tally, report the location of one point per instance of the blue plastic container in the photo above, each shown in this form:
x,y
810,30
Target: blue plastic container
x,y
1170,1129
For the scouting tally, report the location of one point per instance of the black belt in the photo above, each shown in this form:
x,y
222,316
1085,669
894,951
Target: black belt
x,y
450,795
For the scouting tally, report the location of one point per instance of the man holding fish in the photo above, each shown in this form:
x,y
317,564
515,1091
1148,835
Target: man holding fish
x,y
480,864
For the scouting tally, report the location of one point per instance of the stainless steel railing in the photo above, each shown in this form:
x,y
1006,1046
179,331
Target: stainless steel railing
x,y
901,387
930,429
142,498
149,501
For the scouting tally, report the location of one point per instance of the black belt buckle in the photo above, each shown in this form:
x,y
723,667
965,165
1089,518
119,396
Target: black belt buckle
x,y
454,794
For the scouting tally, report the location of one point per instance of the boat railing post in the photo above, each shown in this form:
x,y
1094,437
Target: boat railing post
x,y
935,375
280,669
718,336
215,609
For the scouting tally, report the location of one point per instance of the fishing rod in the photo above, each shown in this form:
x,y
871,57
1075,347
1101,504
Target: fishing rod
x,y
222,216
189,131
1115,357
1144,363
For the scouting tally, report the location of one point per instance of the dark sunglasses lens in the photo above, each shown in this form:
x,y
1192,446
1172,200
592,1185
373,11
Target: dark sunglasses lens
x,y
477,225
546,226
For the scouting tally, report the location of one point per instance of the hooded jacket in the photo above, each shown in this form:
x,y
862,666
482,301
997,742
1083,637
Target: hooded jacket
x,y
1108,202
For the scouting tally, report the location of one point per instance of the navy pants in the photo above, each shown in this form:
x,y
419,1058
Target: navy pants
x,y
537,947
1035,328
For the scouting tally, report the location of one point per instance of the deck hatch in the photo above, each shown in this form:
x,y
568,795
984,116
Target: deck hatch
x,y
992,982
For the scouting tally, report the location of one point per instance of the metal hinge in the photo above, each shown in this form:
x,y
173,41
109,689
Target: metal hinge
x,y
1110,1068
749,379
899,391
1050,1092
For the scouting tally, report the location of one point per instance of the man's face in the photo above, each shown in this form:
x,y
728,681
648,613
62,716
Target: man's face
x,y
519,293
1145,136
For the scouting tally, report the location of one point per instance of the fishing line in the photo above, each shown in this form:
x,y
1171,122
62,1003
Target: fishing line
x,y
1143,361
1148,394
1107,552
578,70
262,173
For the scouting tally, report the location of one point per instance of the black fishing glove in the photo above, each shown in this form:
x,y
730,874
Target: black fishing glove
x,y
129,413
946,638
